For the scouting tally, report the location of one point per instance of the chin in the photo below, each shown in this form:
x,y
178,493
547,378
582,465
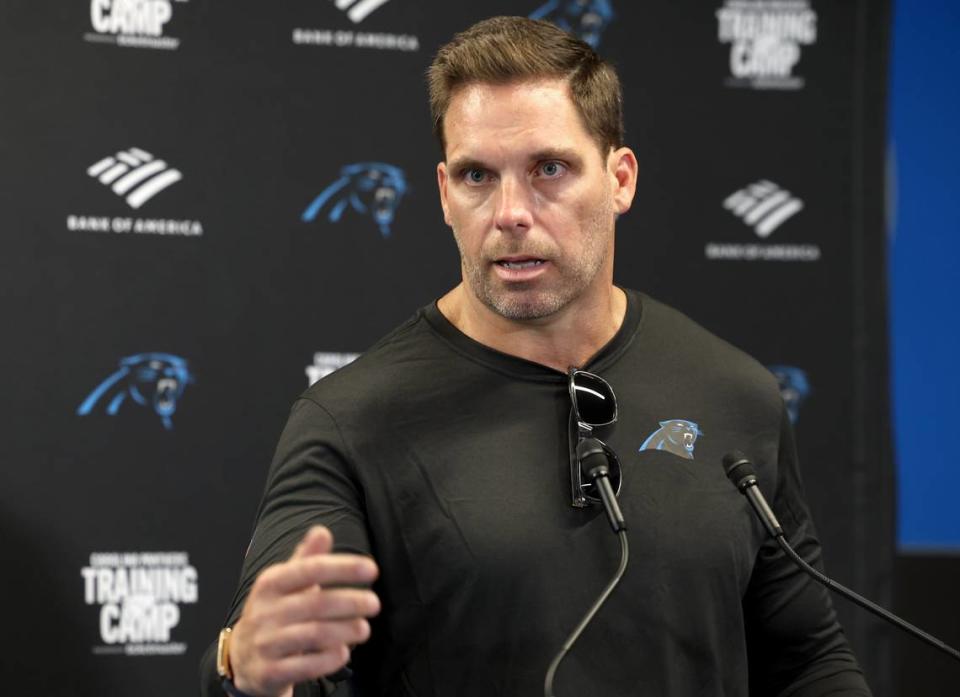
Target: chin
x,y
525,306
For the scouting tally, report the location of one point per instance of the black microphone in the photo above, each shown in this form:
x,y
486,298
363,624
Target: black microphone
x,y
596,467
740,472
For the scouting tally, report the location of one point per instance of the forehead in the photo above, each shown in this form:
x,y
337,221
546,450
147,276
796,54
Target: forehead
x,y
518,116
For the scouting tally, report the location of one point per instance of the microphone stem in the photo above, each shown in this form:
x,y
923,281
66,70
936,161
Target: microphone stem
x,y
610,505
575,634
864,603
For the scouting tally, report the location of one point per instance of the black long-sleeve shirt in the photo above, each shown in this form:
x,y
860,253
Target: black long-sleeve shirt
x,y
449,463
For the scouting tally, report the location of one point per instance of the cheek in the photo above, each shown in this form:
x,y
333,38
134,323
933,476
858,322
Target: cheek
x,y
601,216
468,215
473,205
468,242
586,224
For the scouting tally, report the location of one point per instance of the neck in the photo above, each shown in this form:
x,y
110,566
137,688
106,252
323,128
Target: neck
x,y
570,337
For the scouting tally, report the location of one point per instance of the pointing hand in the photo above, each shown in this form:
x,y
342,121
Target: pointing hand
x,y
299,622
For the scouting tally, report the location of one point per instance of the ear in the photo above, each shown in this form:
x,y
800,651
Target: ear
x,y
442,186
622,165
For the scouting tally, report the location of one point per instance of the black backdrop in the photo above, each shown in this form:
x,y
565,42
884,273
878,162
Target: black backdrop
x,y
125,524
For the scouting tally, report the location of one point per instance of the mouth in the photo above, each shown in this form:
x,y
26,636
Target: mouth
x,y
688,441
165,400
519,268
383,203
519,263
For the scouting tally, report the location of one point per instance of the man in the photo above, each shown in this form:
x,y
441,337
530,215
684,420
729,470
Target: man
x,y
444,452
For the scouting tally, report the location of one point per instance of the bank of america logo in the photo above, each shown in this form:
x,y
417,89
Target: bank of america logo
x,y
357,10
764,206
135,174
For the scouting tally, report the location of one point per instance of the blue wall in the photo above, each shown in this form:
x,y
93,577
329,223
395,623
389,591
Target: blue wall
x,y
924,273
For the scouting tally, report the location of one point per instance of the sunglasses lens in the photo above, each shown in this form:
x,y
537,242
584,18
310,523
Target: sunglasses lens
x,y
589,490
595,401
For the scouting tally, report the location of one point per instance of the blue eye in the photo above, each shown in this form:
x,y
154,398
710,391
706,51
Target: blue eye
x,y
551,169
476,176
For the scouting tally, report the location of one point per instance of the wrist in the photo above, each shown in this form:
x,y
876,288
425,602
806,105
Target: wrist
x,y
231,689
228,678
224,667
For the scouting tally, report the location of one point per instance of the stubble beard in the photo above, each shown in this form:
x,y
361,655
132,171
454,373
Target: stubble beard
x,y
537,299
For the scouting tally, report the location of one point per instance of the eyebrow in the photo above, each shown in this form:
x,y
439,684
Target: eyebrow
x,y
462,164
567,154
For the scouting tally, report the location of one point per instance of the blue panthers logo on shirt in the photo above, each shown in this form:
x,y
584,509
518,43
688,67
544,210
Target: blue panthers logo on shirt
x,y
369,188
156,380
585,19
794,388
677,436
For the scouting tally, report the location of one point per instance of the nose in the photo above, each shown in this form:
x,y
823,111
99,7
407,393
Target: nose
x,y
515,205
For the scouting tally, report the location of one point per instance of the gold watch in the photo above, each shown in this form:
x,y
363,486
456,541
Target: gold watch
x,y
224,670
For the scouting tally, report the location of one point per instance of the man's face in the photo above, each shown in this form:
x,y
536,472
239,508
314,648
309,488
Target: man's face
x,y
531,199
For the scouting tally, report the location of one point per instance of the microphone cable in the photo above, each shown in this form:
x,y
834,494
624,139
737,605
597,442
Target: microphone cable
x,y
866,604
739,471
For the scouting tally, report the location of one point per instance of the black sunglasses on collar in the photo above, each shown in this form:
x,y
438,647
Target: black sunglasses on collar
x,y
594,405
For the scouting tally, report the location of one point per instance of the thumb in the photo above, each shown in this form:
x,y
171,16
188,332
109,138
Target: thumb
x,y
318,540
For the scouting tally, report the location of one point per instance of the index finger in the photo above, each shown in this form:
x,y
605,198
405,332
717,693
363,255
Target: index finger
x,y
317,540
321,569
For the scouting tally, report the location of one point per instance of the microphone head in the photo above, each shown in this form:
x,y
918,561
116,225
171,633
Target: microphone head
x,y
738,469
593,459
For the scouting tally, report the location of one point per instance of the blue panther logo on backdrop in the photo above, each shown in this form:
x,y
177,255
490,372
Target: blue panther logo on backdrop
x,y
677,436
148,379
585,19
369,188
794,388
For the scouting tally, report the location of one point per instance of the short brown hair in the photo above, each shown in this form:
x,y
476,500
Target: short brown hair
x,y
501,50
